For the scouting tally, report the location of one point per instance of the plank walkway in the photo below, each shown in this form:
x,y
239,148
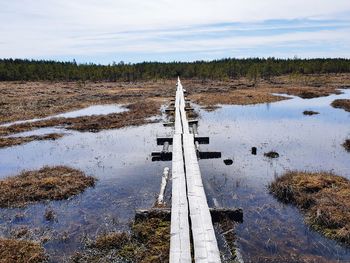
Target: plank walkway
x,y
190,215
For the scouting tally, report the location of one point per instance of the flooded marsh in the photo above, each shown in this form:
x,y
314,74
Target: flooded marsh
x,y
120,159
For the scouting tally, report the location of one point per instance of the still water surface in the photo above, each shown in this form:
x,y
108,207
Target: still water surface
x,y
128,179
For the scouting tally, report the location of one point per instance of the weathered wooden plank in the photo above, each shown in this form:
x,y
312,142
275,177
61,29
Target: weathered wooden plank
x,y
204,240
180,246
193,200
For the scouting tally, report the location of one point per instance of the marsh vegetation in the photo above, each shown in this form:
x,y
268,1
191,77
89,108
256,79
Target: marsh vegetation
x,y
342,104
48,183
323,197
115,148
21,251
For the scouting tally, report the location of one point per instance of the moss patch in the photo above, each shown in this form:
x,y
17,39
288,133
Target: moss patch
x,y
21,251
323,197
48,183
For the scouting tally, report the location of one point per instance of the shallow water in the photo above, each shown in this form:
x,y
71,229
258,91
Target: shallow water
x,y
127,179
88,111
271,229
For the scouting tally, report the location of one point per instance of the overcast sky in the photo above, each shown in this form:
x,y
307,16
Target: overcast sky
x,y
103,31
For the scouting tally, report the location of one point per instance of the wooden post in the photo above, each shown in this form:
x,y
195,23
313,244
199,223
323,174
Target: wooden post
x,y
166,147
163,186
254,150
194,129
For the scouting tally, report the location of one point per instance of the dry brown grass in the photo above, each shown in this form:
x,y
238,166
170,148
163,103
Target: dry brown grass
x,y
27,100
137,115
12,141
114,240
148,242
21,251
342,104
237,97
323,197
48,183
309,92
241,92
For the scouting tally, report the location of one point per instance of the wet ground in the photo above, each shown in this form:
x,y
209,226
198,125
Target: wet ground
x,y
88,111
128,179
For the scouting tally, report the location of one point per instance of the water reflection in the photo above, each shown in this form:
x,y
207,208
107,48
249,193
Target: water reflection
x,y
271,230
127,179
119,159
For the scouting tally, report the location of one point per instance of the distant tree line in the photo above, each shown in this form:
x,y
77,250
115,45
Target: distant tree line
x,y
33,70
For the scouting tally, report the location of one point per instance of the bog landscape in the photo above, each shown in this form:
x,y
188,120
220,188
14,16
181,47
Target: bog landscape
x,y
76,162
198,160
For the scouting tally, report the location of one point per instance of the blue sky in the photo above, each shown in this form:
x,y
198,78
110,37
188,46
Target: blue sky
x,y
103,31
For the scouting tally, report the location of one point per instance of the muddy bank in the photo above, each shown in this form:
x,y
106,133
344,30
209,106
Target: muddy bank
x,y
342,104
21,251
12,141
137,115
48,183
324,198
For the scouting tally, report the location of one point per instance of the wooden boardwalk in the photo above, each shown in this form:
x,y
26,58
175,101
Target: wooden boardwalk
x,y
190,215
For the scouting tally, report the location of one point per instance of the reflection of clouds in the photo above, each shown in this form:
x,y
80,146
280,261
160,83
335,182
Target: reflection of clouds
x,y
303,143
107,154
128,180
282,110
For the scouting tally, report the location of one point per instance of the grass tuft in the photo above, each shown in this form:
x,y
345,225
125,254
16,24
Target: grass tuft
x,y
323,197
148,242
21,251
342,104
48,183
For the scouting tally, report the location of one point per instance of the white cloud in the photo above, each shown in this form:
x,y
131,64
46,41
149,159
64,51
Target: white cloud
x,y
44,28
